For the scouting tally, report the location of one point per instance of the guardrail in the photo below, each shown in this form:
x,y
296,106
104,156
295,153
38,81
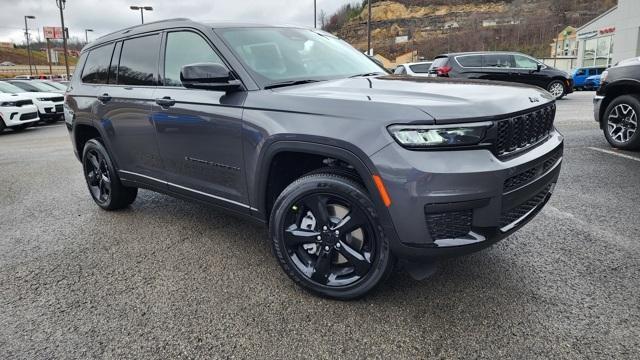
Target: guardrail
x,y
37,69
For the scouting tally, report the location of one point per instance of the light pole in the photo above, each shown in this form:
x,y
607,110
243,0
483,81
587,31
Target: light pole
x,y
369,31
61,4
315,21
86,35
142,9
26,33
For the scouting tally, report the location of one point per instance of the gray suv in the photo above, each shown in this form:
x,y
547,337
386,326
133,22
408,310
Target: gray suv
x,y
352,169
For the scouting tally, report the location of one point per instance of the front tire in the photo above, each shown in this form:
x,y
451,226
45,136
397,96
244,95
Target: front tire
x,y
621,122
327,238
556,88
102,180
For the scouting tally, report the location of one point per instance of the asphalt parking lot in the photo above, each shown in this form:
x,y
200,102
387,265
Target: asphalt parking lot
x,y
171,279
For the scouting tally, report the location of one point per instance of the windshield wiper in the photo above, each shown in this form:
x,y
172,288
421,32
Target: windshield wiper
x,y
368,74
290,83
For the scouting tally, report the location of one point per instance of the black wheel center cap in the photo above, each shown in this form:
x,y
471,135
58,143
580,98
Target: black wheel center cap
x,y
329,238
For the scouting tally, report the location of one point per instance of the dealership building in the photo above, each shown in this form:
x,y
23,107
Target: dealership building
x,y
611,37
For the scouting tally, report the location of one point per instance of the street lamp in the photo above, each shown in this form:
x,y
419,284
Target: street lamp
x,y
61,4
369,52
26,33
142,9
86,35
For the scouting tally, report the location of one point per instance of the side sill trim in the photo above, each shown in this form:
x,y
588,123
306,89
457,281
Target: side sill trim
x,y
190,189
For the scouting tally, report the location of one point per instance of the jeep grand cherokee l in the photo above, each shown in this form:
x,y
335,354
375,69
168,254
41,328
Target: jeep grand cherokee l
x,y
503,66
351,168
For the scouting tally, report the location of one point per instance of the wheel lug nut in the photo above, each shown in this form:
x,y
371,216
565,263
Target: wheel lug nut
x,y
338,245
337,232
324,227
326,248
319,237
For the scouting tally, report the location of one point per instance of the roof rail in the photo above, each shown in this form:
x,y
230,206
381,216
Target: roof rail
x,y
128,29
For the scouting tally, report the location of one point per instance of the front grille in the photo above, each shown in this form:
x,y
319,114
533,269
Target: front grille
x,y
512,215
449,225
529,175
29,116
56,99
59,108
523,131
23,102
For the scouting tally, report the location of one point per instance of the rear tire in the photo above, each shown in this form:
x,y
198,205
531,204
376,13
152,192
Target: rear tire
x,y
327,238
556,88
620,122
102,180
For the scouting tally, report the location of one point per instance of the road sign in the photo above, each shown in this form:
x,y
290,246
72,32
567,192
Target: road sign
x,y
54,32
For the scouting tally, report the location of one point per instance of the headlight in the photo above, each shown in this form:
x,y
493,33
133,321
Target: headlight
x,y
603,76
43,99
439,135
8,103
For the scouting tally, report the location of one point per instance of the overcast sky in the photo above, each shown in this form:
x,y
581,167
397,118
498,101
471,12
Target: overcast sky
x,y
105,16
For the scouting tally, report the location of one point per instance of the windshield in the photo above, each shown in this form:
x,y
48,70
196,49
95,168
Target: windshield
x,y
37,85
9,89
276,55
54,85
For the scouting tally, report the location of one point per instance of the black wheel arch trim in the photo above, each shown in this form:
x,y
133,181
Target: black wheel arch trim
x,y
315,145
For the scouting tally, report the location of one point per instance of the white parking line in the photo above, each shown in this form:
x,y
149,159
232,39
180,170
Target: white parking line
x,y
615,153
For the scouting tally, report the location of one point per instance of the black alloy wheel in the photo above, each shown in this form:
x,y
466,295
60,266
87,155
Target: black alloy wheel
x,y
327,237
621,122
104,185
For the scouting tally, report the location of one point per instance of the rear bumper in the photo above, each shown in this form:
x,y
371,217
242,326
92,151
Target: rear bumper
x,y
447,203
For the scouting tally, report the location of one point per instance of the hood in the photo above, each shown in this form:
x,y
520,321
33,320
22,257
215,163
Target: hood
x,y
440,99
36,95
12,97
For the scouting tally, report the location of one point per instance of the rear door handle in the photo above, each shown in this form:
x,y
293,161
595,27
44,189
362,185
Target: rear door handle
x,y
165,102
104,98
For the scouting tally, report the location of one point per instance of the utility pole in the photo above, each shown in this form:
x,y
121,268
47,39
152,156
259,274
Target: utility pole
x,y
26,33
369,52
61,5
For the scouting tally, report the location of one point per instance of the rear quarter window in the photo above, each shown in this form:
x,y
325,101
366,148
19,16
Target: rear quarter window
x,y
96,68
470,60
439,62
420,68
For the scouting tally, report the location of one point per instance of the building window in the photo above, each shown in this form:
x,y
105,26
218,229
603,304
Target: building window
x,y
598,51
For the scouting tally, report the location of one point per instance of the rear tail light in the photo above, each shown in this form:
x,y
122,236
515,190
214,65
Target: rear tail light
x,y
443,70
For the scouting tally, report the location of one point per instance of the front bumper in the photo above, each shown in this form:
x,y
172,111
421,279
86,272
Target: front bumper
x,y
448,203
51,110
597,102
569,85
15,116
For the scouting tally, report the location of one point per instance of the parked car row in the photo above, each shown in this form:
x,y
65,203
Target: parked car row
x,y
25,102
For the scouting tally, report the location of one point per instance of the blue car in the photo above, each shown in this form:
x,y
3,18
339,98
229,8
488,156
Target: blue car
x,y
592,82
581,74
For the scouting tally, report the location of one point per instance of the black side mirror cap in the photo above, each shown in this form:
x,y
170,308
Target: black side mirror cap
x,y
539,67
210,76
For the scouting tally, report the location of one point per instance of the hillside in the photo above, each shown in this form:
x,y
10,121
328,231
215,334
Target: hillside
x,y
435,26
20,57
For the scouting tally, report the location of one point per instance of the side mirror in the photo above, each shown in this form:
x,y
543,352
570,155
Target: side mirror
x,y
210,76
538,67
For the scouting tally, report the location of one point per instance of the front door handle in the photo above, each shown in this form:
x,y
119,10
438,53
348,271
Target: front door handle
x,y
165,102
104,98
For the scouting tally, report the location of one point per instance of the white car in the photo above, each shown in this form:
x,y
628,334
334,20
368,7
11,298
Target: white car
x,y
414,69
16,112
50,105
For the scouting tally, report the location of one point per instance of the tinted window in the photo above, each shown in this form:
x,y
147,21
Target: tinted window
x,y
439,62
470,61
581,72
420,68
96,68
497,60
185,48
139,61
113,69
25,86
524,62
